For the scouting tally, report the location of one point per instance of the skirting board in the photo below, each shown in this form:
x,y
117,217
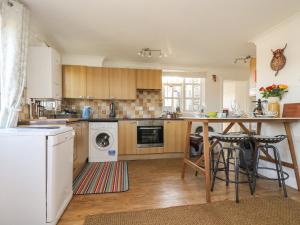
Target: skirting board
x,y
151,156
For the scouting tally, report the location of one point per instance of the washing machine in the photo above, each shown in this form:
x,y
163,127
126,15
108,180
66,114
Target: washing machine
x,y
103,141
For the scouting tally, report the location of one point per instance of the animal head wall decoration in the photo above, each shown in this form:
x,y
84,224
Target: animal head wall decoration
x,y
278,61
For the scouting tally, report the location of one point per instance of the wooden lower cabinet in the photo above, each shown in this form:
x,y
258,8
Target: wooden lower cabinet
x,y
127,138
81,146
152,150
174,136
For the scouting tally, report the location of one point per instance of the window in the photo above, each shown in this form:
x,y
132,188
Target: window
x,y
182,92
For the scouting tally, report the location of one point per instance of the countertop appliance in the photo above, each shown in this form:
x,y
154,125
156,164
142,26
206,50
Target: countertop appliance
x,y
112,110
36,174
86,112
103,141
150,133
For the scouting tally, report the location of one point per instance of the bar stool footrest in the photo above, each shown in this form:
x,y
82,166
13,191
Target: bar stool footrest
x,y
273,169
231,181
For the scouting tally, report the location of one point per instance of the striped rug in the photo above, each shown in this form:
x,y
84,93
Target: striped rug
x,y
105,177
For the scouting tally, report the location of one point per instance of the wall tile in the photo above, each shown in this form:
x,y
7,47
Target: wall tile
x,y
147,105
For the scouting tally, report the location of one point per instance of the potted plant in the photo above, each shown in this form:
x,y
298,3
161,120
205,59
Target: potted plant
x,y
274,94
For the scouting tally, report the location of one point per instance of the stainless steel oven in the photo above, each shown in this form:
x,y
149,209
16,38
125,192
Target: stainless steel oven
x,y
150,133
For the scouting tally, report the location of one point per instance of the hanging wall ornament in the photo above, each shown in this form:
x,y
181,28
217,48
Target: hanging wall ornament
x,y
278,61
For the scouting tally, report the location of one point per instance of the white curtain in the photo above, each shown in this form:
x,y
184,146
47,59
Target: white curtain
x,y
13,58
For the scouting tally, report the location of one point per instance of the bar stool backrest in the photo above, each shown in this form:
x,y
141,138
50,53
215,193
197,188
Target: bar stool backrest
x,y
291,110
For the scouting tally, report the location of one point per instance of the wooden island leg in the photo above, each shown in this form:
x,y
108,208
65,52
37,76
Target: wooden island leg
x,y
227,129
206,161
258,128
293,153
186,153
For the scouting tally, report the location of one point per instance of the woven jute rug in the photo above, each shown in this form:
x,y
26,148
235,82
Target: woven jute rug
x,y
252,211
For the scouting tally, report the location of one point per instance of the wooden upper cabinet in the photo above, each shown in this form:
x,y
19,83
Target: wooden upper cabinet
x,y
127,138
174,135
97,83
122,83
74,81
149,79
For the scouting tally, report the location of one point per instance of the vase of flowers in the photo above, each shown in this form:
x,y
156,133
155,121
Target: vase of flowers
x,y
274,94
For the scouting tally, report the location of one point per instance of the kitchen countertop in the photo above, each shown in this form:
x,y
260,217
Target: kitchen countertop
x,y
118,119
73,120
48,121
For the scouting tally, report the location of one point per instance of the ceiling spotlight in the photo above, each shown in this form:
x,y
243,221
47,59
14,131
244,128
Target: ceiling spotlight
x,y
147,52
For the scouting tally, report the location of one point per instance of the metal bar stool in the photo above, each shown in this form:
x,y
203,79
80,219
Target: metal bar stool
x,y
196,141
264,144
234,151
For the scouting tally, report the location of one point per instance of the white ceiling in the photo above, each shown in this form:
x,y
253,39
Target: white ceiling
x,y
193,32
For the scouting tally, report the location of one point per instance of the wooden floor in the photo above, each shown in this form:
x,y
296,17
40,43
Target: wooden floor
x,y
157,184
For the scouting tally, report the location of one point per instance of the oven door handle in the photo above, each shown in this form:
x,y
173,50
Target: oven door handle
x,y
149,128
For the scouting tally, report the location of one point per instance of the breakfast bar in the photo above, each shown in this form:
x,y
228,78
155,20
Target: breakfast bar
x,y
285,121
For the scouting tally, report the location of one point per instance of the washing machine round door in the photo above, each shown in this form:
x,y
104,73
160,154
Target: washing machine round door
x,y
103,140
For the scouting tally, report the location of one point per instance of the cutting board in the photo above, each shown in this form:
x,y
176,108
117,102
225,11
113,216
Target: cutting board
x,y
291,110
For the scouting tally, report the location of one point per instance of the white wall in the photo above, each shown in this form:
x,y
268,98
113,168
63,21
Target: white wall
x,y
236,91
286,32
214,90
85,60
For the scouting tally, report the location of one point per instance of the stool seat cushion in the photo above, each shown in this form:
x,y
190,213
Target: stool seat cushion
x,y
210,134
231,137
196,139
199,137
268,139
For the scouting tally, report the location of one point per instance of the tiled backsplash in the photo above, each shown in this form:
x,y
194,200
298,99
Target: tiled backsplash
x,y
148,104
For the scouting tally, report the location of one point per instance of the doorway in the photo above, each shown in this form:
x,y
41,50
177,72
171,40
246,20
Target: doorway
x,y
236,97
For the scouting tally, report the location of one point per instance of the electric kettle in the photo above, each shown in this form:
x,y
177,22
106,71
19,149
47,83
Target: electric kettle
x,y
86,112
